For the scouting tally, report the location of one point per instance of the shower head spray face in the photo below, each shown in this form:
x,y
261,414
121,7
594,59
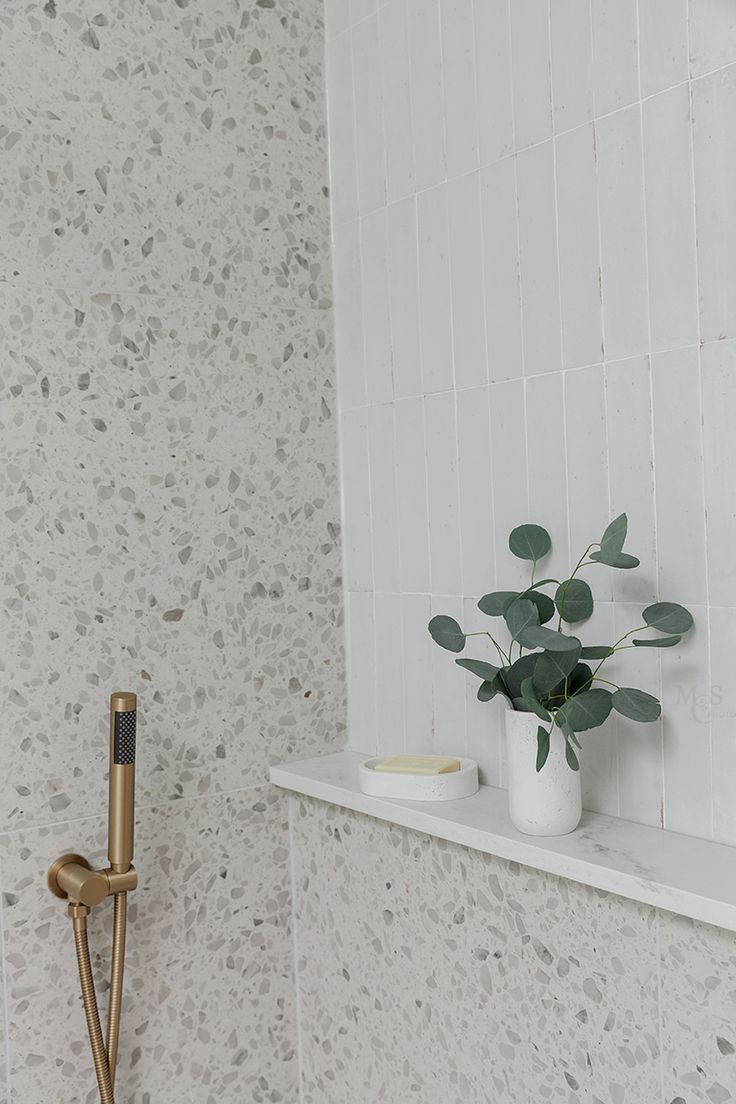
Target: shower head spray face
x,y
122,779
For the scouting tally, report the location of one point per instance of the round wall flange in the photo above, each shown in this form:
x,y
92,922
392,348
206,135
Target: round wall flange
x,y
64,860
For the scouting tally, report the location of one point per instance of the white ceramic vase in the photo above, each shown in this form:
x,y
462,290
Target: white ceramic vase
x,y
547,803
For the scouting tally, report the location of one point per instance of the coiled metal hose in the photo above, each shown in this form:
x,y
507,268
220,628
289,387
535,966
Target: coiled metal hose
x,y
116,980
89,998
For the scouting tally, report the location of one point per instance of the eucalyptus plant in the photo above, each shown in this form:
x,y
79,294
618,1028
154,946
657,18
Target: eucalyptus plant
x,y
549,675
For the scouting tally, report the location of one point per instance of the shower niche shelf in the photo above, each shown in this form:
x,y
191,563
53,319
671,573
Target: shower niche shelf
x,y
682,874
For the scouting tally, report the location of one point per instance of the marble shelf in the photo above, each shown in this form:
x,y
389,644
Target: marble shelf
x,y
682,874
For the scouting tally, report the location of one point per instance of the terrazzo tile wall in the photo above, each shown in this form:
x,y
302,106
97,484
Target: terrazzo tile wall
x,y
170,522
533,237
430,972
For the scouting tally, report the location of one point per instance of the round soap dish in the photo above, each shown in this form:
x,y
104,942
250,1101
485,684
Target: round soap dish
x,y
419,787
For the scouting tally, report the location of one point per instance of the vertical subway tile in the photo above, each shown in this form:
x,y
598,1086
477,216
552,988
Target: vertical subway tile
x,y
435,299
448,687
384,511
714,137
411,480
639,746
361,9
720,702
501,271
599,757
484,721
572,63
476,490
540,286
673,294
719,446
443,494
510,501
368,117
337,17
712,31
631,472
349,314
396,94
425,60
678,469
530,67
458,77
418,644
587,463
356,500
389,708
493,79
615,54
404,297
580,263
621,197
466,264
376,321
662,44
545,450
361,672
688,798
341,127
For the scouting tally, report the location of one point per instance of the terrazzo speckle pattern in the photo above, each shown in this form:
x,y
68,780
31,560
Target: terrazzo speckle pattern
x,y
171,523
169,515
208,1011
165,147
432,973
698,1011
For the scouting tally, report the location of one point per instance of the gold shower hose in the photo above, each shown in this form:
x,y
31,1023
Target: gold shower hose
x,y
104,1057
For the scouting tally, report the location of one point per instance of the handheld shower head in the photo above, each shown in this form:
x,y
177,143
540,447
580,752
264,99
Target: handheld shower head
x,y
122,780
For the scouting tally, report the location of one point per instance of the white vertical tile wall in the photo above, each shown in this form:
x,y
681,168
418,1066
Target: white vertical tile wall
x,y
533,233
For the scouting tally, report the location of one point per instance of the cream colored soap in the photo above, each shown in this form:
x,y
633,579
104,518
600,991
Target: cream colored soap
x,y
417,764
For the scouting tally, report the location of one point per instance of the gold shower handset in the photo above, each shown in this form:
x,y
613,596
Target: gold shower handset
x,y
71,877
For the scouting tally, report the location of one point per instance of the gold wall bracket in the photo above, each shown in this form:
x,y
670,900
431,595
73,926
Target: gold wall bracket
x,y
72,878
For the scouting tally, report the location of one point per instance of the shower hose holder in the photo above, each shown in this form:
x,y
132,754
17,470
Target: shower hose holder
x,y
73,879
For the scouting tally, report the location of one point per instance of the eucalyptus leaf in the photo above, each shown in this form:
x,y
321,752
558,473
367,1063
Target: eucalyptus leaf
x,y
488,689
572,759
530,698
542,747
656,642
636,704
623,560
574,601
613,539
529,542
597,651
519,616
538,637
668,617
514,675
588,709
479,667
496,603
580,677
545,605
553,667
446,632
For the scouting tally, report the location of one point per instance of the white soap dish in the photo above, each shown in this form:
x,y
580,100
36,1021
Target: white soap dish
x,y
419,787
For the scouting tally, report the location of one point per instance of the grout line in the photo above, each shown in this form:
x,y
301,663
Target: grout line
x,y
214,795
709,657
516,379
660,722
291,799
562,133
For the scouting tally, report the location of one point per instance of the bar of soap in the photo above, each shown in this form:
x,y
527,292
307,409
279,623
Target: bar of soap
x,y
418,764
